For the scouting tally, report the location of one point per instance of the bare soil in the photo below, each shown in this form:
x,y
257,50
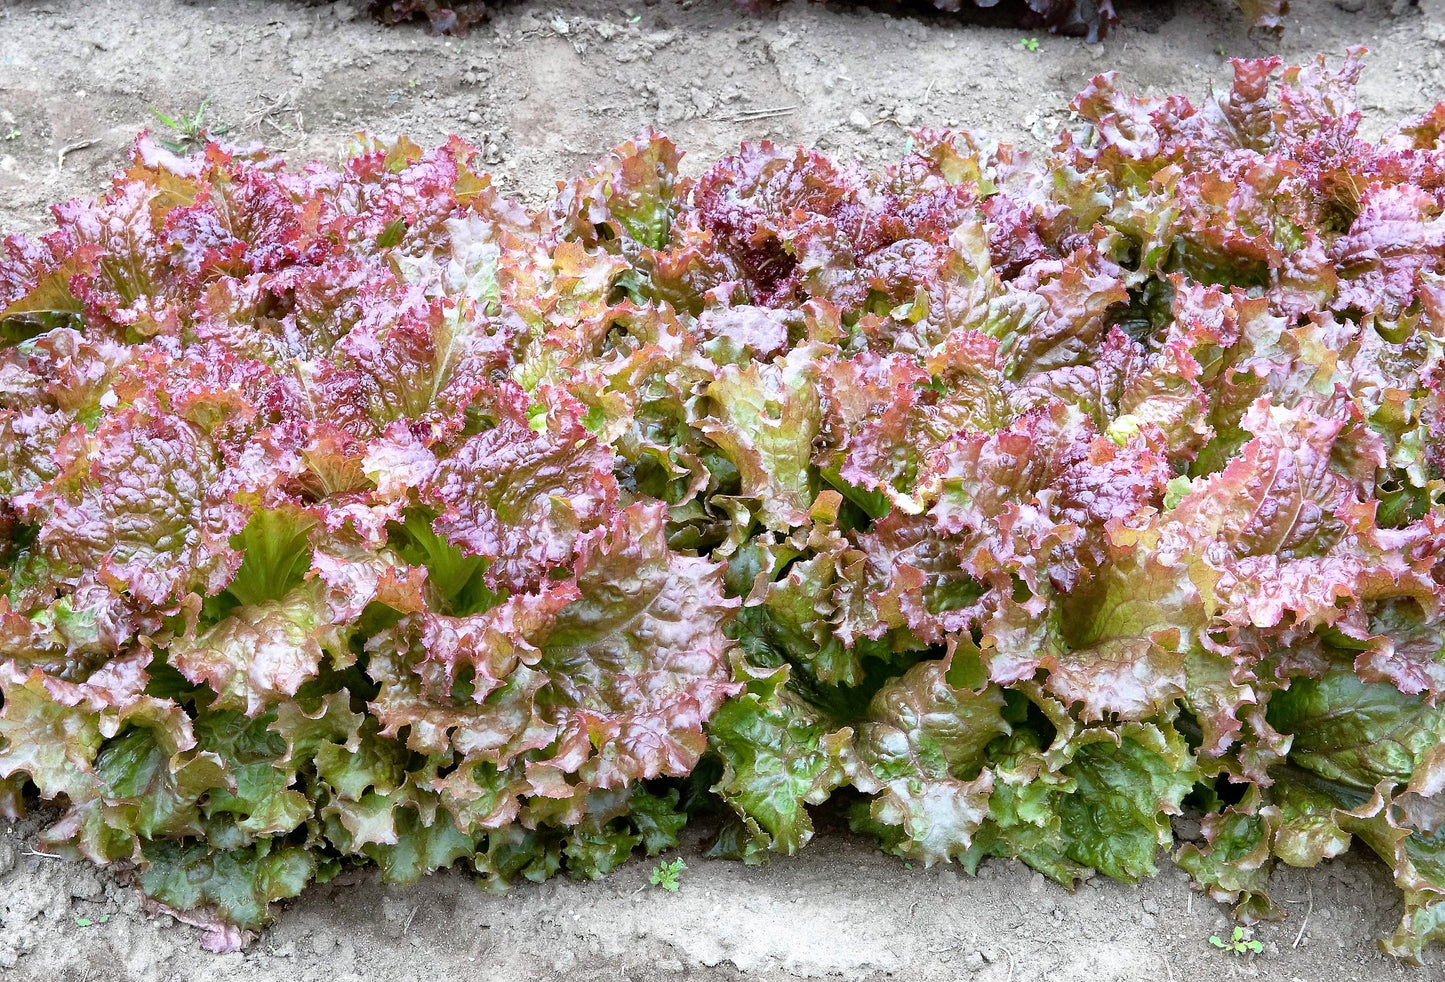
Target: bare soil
x,y
545,88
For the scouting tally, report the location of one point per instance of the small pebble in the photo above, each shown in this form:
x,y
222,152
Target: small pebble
x,y
1187,830
85,885
474,118
858,121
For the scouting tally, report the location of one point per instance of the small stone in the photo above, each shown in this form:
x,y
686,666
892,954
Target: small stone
x,y
1187,830
858,121
906,115
1150,906
973,961
7,858
85,885
344,12
670,109
1146,920
560,25
474,118
1036,883
8,958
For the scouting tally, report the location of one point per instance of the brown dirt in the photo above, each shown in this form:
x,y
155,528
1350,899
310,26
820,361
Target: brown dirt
x,y
545,88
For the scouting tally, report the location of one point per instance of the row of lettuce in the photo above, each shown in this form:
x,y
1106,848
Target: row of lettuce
x,y
361,515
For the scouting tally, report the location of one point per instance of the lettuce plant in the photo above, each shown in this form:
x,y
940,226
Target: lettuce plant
x,y
360,515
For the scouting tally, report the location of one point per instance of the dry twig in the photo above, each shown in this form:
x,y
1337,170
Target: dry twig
x,y
70,148
1310,892
1010,963
748,115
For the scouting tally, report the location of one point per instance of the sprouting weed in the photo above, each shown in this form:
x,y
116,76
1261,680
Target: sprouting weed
x,y
190,131
1237,943
668,875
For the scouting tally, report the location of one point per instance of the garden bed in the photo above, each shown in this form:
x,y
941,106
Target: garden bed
x,y
798,77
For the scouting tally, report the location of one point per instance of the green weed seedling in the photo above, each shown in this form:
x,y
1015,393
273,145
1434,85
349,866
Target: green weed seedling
x,y
1029,44
668,875
1237,943
190,131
